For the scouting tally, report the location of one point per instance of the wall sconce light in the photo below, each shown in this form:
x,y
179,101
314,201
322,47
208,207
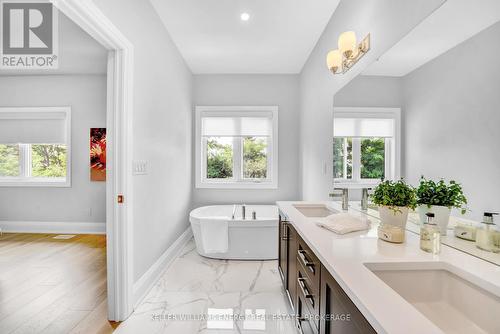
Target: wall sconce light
x,y
349,52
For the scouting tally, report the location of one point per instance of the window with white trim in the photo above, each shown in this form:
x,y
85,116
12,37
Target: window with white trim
x,y
237,147
365,144
35,146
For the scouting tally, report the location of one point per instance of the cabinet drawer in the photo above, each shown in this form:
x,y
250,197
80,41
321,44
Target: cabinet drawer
x,y
308,292
306,321
310,262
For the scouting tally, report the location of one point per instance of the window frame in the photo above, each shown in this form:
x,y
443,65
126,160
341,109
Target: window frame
x,y
25,179
237,181
392,145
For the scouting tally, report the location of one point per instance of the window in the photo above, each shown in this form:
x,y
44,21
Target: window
x,y
34,146
236,147
372,158
219,158
342,157
365,144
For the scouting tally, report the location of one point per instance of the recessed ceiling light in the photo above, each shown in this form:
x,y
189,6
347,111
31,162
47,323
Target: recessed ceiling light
x,y
245,16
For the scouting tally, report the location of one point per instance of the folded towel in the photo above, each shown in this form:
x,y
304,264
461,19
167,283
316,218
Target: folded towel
x,y
342,223
214,235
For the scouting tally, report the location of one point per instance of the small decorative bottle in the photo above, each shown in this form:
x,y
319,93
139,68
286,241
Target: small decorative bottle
x,y
486,234
430,236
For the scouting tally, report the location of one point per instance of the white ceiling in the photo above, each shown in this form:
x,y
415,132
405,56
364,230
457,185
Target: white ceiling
x,y
78,53
451,24
278,38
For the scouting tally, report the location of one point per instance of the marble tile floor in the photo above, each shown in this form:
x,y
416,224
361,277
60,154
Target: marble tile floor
x,y
208,296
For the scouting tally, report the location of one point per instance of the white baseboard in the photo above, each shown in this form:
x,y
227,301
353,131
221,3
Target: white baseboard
x,y
150,277
52,227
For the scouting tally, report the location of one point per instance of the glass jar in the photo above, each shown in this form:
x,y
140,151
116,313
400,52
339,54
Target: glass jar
x,y
487,234
430,236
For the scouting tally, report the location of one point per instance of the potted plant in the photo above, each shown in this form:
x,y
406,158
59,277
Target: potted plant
x,y
394,199
439,198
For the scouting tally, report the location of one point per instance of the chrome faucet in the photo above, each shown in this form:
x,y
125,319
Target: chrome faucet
x,y
234,212
344,195
364,198
243,211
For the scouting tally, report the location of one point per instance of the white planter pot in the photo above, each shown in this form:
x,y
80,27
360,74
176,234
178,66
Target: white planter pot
x,y
441,215
394,216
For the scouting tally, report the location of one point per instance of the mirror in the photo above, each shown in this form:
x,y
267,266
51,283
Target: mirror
x,y
428,107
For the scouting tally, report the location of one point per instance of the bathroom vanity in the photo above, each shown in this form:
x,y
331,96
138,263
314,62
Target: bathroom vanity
x,y
366,285
312,291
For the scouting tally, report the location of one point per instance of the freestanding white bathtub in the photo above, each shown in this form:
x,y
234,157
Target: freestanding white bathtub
x,y
248,239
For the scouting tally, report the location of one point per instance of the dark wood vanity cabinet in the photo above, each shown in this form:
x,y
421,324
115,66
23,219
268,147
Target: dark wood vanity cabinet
x,y
320,304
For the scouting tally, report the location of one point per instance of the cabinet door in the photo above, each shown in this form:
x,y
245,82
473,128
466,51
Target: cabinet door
x,y
283,252
339,314
292,265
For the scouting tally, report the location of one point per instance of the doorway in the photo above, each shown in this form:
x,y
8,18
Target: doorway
x,y
118,201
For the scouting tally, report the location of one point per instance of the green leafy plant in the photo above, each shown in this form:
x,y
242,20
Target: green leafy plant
x,y
394,194
442,194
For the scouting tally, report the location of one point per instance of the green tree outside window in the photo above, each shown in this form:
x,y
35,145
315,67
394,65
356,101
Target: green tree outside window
x,y
254,158
219,159
372,158
9,160
48,160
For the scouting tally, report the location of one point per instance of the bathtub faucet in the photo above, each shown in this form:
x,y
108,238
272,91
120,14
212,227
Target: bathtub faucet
x,y
234,212
243,211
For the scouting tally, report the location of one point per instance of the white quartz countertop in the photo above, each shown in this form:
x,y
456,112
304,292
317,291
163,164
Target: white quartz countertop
x,y
345,256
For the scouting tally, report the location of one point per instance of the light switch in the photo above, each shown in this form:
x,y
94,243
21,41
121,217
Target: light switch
x,y
140,167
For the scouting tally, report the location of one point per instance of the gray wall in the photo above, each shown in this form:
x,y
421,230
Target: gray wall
x,y
452,118
371,91
280,90
85,201
162,119
387,21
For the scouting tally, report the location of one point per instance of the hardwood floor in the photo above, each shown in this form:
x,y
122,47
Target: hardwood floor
x,y
52,285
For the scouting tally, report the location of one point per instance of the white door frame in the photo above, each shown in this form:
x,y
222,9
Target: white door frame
x,y
119,137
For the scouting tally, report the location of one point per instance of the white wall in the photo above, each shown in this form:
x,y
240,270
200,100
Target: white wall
x,y
451,120
387,21
85,201
162,130
240,90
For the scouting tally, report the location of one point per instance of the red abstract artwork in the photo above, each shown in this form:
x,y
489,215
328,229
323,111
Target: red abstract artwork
x,y
98,154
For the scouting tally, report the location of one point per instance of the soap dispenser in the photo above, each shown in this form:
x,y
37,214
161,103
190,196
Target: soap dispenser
x,y
430,235
486,234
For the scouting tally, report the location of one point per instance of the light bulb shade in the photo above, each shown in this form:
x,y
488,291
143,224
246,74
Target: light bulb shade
x,y
334,60
347,43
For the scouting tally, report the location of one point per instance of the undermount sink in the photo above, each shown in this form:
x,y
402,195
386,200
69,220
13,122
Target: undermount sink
x,y
314,210
443,295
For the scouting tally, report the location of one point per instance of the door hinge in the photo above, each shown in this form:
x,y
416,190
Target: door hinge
x,y
120,199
